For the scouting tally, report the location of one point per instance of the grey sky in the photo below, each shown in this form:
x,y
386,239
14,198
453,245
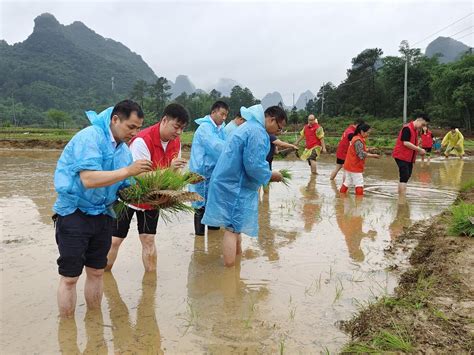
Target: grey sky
x,y
267,46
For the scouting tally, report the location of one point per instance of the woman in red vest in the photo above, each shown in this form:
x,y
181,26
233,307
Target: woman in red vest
x,y
343,146
426,142
406,148
355,160
159,143
313,134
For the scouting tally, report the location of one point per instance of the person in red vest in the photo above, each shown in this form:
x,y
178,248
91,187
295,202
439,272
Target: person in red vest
x,y
354,163
343,146
406,148
313,134
161,144
426,142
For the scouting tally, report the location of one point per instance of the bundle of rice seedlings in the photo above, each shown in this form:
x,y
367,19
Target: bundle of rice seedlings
x,y
162,189
287,176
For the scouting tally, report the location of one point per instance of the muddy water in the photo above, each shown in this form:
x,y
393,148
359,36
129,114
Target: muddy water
x,y
317,259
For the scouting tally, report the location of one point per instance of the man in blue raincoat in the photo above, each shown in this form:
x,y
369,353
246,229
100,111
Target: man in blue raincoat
x,y
242,168
92,168
208,143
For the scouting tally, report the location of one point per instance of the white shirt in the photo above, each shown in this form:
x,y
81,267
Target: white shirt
x,y
140,150
112,139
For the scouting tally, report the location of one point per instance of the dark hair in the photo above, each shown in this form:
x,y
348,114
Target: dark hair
x,y
176,112
218,105
125,108
359,121
276,112
423,116
453,127
363,127
238,115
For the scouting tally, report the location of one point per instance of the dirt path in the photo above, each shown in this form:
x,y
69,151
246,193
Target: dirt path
x,y
432,310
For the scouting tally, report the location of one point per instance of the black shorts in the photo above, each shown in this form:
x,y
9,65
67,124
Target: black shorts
x,y
405,169
146,222
83,240
340,161
428,150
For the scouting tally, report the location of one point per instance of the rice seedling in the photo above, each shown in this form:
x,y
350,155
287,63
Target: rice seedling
x,y
161,189
339,289
287,176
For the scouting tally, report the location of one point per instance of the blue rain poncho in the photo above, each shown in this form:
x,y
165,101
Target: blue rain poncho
x,y
242,168
90,149
229,128
207,146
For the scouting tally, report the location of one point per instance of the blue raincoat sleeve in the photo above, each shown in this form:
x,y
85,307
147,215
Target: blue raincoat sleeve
x,y
212,144
255,159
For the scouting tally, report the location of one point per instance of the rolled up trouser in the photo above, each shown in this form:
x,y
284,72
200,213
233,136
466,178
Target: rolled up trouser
x,y
199,228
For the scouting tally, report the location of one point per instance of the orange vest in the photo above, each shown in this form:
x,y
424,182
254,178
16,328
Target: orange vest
x,y
353,163
400,151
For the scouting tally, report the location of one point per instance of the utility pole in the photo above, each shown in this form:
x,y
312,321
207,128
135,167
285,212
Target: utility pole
x,y
14,113
293,100
113,84
406,49
322,102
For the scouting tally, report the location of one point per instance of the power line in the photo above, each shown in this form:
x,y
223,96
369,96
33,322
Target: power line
x,y
453,23
457,39
461,31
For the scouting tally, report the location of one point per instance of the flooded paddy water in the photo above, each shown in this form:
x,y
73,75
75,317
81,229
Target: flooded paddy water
x,y
318,258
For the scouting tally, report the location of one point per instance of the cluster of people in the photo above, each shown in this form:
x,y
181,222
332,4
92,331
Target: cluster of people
x,y
235,161
97,163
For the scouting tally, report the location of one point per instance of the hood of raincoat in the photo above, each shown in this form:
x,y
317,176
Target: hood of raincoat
x,y
208,118
253,113
101,120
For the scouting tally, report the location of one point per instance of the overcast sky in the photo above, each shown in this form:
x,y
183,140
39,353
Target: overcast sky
x,y
267,46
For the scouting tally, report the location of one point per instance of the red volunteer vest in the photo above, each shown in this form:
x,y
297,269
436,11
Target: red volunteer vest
x,y
400,151
427,139
159,157
343,145
310,136
353,163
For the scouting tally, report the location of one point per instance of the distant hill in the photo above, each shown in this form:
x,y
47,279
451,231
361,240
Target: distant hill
x,y
182,84
272,99
68,67
449,49
224,86
303,99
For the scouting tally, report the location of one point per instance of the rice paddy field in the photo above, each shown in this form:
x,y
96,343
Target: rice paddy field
x,y
317,260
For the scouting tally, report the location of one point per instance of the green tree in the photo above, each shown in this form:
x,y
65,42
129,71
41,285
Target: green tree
x,y
57,117
139,92
159,95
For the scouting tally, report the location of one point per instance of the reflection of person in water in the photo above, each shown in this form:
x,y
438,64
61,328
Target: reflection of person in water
x,y
67,334
402,218
450,173
267,235
217,296
311,208
145,336
350,221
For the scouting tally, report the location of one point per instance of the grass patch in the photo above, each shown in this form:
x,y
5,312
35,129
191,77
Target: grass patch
x,y
461,220
467,186
396,339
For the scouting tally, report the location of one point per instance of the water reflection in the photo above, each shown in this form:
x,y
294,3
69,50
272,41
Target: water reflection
x,y
311,206
450,172
222,308
350,220
402,218
94,324
271,239
145,336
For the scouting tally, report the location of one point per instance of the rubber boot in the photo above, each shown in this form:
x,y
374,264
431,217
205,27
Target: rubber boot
x,y
343,189
199,228
359,191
